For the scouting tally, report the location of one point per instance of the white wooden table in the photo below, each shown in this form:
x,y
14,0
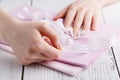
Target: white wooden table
x,y
106,68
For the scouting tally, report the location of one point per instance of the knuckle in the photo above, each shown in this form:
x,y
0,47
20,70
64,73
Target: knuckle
x,y
67,23
72,7
26,58
84,9
44,24
24,62
56,56
36,47
68,18
87,18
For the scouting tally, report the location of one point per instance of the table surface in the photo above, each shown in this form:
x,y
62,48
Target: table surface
x,y
105,68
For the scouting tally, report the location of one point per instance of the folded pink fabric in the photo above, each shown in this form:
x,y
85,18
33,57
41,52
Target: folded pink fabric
x,y
76,55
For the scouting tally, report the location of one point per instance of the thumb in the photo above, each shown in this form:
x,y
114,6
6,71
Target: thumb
x,y
61,14
47,31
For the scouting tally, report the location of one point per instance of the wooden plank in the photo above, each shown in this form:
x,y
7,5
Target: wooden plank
x,y
64,3
10,69
103,69
112,16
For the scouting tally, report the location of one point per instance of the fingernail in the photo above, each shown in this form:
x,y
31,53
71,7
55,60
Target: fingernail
x,y
58,44
66,26
93,29
75,34
55,18
68,30
59,47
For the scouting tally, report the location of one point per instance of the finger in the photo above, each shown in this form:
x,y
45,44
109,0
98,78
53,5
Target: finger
x,y
50,51
87,21
95,22
41,57
51,34
38,54
70,15
47,40
78,21
46,49
38,61
61,14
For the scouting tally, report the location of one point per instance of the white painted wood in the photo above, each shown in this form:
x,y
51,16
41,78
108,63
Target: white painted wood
x,y
103,69
65,3
49,5
112,14
116,49
10,69
112,17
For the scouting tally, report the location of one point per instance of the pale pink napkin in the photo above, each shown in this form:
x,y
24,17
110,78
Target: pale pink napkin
x,y
72,61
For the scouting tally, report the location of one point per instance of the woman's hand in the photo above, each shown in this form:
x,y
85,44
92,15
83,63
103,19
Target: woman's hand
x,y
26,40
81,14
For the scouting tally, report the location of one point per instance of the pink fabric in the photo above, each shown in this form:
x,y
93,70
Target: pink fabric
x,y
72,61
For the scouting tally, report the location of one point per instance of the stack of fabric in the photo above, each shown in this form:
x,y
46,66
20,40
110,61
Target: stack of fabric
x,y
77,53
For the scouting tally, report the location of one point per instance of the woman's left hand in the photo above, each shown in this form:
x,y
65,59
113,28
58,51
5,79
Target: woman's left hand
x,y
81,14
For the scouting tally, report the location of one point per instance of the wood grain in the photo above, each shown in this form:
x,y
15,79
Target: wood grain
x,y
112,17
10,69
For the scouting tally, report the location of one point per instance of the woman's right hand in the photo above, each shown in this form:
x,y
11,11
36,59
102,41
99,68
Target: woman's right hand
x,y
27,42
